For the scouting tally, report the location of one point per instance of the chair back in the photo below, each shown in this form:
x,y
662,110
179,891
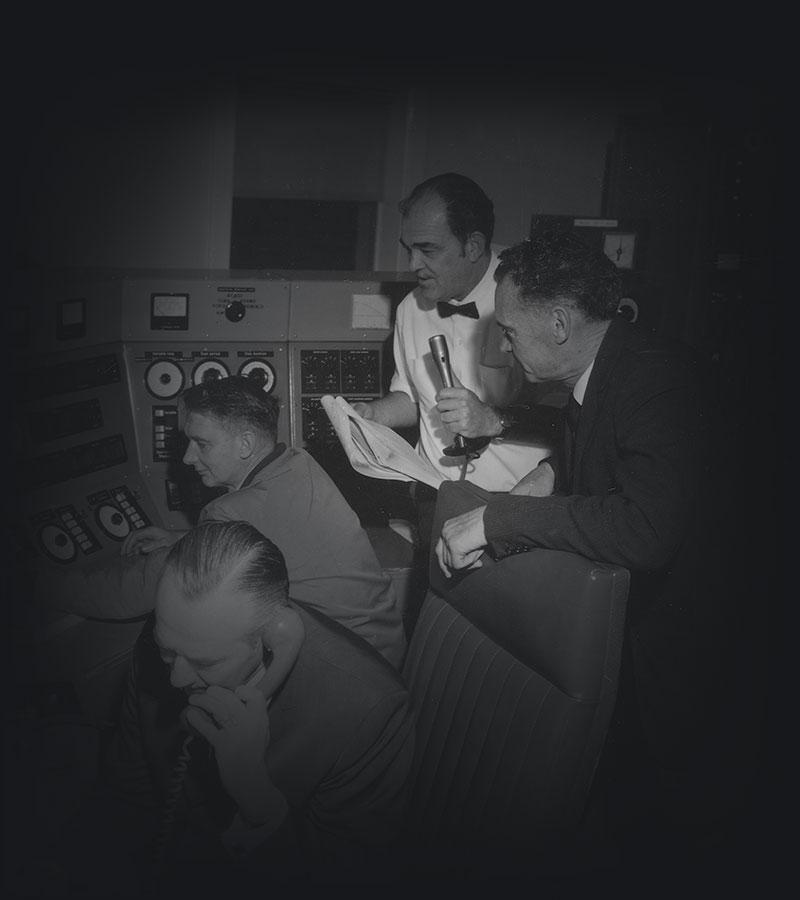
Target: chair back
x,y
513,674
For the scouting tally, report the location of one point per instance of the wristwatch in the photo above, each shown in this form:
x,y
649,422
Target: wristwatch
x,y
507,421
509,418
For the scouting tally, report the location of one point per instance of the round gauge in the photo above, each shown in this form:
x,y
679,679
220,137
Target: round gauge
x,y
112,521
57,544
260,373
209,370
164,379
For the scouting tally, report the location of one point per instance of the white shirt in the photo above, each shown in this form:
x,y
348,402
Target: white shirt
x,y
579,391
479,364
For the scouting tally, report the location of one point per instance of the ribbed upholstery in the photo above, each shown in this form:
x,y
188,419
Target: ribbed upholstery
x,y
513,675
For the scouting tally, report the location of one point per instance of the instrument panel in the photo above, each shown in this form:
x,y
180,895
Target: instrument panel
x,y
112,354
79,478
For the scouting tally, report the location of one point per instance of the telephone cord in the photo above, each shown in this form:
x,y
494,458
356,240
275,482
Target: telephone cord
x,y
173,795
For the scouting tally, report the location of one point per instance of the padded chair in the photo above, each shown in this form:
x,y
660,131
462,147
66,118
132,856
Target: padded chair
x,y
513,673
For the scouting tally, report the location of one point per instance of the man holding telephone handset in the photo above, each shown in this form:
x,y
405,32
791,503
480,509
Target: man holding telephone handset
x,y
261,732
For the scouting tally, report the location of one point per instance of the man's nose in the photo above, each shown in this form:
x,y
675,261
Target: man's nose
x,y
505,344
189,456
182,674
415,260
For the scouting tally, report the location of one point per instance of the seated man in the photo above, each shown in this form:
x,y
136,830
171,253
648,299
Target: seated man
x,y
256,732
231,426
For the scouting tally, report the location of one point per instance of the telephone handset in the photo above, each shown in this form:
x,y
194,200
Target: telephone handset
x,y
181,765
286,636
251,681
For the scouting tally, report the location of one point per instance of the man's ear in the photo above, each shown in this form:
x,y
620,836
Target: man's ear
x,y
475,246
561,324
284,635
247,444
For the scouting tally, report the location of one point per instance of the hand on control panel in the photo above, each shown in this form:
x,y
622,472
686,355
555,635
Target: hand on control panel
x,y
146,540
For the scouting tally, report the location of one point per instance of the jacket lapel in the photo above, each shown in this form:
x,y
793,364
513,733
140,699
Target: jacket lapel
x,y
604,365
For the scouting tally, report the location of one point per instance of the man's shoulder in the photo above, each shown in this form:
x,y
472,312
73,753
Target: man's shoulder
x,y
337,659
291,458
636,350
292,464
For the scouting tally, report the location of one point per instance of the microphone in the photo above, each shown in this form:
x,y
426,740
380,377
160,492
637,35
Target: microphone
x,y
441,357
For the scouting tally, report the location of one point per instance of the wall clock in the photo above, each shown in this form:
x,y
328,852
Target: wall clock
x,y
620,248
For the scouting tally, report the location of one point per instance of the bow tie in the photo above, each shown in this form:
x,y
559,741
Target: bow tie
x,y
446,310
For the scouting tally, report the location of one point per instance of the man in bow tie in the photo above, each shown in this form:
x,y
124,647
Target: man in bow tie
x,y
447,227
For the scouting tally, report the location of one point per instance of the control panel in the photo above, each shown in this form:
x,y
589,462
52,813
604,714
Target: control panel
x,y
354,371
218,306
80,482
298,336
340,344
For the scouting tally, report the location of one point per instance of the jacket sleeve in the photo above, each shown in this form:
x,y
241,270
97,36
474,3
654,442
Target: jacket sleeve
x,y
126,770
644,479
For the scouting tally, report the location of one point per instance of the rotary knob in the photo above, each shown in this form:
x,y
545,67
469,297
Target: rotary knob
x,y
234,311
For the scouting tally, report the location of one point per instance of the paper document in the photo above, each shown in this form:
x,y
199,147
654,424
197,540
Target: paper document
x,y
375,450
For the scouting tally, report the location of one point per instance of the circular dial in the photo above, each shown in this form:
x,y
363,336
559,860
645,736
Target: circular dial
x,y
260,373
57,544
112,521
164,379
209,370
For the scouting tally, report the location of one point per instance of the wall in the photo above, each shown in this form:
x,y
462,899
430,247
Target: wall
x,y
126,169
539,149
137,168
531,152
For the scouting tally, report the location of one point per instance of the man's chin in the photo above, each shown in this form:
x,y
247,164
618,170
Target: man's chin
x,y
428,291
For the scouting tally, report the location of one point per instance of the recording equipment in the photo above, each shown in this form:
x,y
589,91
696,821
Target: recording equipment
x,y
441,357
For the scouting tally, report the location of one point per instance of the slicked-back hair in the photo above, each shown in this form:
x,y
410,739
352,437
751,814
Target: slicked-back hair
x,y
232,553
234,401
560,266
468,207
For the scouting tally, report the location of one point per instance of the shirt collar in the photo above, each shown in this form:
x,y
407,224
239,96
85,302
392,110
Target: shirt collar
x,y
579,391
261,464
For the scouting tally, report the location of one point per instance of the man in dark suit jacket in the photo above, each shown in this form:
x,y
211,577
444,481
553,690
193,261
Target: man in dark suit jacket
x,y
257,738
623,487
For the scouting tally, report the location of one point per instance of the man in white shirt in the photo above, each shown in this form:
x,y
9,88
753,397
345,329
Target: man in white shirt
x,y
447,228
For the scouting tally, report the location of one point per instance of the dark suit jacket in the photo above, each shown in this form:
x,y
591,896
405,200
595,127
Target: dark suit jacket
x,y
631,499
